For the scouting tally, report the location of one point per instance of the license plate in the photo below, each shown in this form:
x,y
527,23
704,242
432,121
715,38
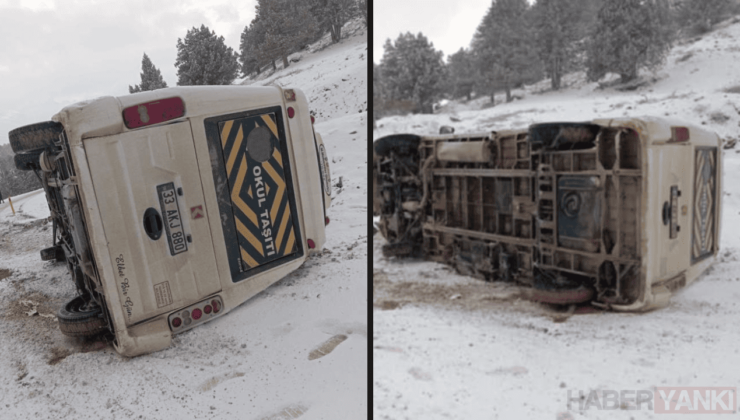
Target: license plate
x,y
171,218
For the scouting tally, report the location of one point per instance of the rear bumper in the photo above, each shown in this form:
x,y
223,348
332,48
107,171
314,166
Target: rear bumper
x,y
155,334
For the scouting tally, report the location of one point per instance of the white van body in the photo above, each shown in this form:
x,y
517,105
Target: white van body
x,y
192,215
619,213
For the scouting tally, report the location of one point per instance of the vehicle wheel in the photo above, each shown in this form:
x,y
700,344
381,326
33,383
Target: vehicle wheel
x,y
400,143
27,161
35,136
54,253
77,318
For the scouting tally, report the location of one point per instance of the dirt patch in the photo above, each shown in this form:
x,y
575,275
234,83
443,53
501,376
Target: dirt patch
x,y
35,307
476,295
718,117
326,347
5,273
388,305
35,317
57,354
292,411
22,370
685,57
389,295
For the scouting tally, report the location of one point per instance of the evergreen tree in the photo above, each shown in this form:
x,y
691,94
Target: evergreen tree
x,y
13,181
502,46
378,92
363,11
289,26
204,59
698,16
251,38
629,35
413,70
151,77
558,23
462,75
331,15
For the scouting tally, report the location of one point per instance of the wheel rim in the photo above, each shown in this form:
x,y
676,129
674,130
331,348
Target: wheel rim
x,y
80,305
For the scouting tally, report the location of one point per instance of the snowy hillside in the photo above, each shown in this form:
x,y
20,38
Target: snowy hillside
x,y
297,350
447,346
334,78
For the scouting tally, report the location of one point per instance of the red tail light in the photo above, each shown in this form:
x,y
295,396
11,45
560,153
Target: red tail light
x,y
679,134
311,243
153,112
216,306
208,309
313,120
197,313
291,112
176,322
327,220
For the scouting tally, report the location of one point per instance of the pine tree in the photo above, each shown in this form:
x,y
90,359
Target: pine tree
x,y
378,93
333,14
413,70
289,26
557,24
204,59
151,77
629,35
252,36
462,74
502,46
698,16
13,181
363,10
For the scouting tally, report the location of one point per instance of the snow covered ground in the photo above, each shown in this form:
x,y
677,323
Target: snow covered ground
x,y
259,361
447,346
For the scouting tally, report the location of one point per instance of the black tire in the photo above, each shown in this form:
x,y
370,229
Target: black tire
x,y
35,136
77,319
27,161
400,143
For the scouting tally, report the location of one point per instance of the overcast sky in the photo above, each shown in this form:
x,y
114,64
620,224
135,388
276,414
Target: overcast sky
x,y
57,52
449,25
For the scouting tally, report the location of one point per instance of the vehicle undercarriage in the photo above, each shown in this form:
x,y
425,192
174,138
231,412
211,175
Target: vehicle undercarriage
x,y
554,208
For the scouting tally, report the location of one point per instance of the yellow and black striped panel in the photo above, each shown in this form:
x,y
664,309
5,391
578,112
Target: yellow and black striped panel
x,y
258,192
705,194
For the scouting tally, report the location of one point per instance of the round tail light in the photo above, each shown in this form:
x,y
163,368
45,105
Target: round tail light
x,y
216,306
311,244
208,309
291,112
176,322
327,220
197,313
